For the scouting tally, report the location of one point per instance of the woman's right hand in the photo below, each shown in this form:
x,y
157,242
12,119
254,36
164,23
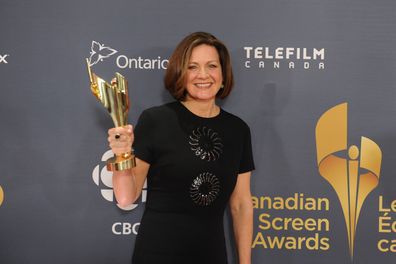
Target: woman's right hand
x,y
121,139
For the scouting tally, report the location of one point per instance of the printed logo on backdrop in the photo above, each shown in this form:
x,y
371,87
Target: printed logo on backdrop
x,y
353,172
100,52
104,179
1,195
302,222
284,58
3,58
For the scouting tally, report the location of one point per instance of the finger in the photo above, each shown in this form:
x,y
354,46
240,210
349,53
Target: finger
x,y
116,131
121,142
117,151
111,131
124,139
120,150
120,130
118,145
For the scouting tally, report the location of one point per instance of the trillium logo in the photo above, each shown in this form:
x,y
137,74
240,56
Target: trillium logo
x,y
104,178
99,52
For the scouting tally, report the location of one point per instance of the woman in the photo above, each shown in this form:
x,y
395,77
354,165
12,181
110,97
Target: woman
x,y
197,159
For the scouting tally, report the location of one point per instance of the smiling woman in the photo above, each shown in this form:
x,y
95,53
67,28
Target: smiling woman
x,y
203,78
197,158
187,59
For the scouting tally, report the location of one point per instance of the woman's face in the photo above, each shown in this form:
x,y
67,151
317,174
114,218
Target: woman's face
x,y
204,74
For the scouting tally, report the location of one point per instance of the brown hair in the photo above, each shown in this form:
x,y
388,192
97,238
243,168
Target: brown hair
x,y
175,76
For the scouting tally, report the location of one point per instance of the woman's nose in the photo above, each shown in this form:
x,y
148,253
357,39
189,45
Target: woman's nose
x,y
202,72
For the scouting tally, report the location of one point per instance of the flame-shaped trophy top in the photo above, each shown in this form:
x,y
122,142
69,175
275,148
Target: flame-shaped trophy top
x,y
114,97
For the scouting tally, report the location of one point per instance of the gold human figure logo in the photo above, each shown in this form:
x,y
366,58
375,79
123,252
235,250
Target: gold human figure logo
x,y
352,178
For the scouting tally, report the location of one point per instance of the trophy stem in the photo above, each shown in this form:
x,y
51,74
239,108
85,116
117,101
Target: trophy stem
x,y
89,71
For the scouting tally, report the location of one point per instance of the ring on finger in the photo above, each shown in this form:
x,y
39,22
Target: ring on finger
x,y
117,136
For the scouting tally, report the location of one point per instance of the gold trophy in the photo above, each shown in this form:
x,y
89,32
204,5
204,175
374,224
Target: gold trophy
x,y
114,97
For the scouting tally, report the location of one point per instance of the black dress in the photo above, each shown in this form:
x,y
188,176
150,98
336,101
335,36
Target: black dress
x,y
194,164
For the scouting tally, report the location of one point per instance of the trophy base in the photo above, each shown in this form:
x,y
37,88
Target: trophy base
x,y
121,162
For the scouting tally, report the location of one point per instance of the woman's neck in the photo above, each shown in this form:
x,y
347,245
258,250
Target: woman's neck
x,y
205,109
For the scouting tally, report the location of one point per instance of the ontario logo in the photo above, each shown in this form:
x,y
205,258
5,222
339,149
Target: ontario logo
x,y
353,171
1,196
99,52
104,179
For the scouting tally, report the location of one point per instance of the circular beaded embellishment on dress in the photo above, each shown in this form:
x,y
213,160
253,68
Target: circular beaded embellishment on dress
x,y
206,144
204,189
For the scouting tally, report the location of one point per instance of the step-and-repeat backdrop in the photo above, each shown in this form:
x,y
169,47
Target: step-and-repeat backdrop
x,y
315,80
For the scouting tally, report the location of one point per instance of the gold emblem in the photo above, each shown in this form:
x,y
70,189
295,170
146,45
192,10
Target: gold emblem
x,y
352,177
1,196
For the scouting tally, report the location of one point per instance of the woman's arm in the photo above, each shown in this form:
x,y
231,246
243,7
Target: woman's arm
x,y
242,217
127,184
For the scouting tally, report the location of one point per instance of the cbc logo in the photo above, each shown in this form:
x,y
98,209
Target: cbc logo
x,y
125,228
101,175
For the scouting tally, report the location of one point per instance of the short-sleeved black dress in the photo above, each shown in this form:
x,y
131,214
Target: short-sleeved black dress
x,y
194,164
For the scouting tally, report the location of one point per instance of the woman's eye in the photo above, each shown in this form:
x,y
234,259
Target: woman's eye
x,y
213,66
192,67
